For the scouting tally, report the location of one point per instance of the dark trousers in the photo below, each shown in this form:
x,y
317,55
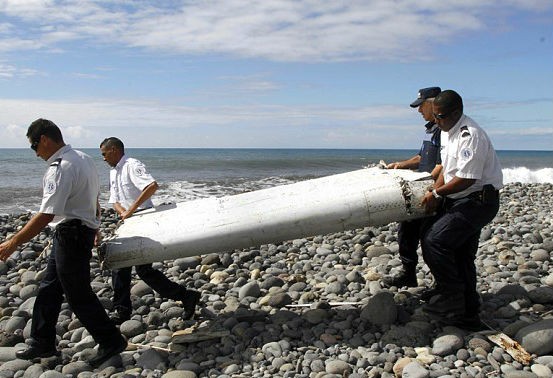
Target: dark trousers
x,y
68,272
408,235
450,244
121,280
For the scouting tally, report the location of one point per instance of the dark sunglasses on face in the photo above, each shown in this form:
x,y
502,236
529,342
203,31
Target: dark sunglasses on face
x,y
441,116
34,145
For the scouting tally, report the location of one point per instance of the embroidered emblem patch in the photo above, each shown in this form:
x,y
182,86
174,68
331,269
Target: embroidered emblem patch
x,y
50,179
466,153
139,171
50,186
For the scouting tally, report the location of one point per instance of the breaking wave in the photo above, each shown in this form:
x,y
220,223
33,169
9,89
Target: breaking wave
x,y
527,176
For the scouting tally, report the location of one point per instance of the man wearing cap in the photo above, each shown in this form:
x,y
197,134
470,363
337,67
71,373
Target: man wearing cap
x,y
466,198
426,160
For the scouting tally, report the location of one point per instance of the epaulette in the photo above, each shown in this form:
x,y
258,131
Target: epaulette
x,y
465,131
56,163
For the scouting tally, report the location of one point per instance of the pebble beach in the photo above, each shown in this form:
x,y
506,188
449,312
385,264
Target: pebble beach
x,y
313,307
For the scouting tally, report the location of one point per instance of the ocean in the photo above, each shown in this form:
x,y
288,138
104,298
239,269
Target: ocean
x,y
186,174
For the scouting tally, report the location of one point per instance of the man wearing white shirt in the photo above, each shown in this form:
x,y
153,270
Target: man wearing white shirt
x,y
466,198
131,189
70,199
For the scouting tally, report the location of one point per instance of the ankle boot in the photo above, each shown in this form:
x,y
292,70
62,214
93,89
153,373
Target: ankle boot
x,y
406,277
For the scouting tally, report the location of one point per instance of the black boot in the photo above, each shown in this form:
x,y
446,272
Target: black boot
x,y
189,301
406,277
472,304
106,351
446,305
466,322
427,294
120,316
36,352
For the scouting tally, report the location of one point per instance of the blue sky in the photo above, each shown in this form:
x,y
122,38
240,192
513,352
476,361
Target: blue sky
x,y
305,74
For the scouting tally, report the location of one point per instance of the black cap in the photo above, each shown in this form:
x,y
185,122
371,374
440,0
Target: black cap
x,y
424,94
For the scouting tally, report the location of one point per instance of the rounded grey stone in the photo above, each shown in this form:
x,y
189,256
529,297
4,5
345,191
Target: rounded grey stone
x,y
414,370
337,367
179,374
15,365
251,289
75,368
15,323
131,328
380,309
537,337
51,374
447,344
140,289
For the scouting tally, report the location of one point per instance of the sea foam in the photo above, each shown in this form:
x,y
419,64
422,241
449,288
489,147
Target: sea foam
x,y
527,176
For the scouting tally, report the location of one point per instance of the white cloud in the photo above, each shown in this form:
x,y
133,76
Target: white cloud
x,y
85,123
525,131
9,71
156,124
308,30
12,135
14,130
78,132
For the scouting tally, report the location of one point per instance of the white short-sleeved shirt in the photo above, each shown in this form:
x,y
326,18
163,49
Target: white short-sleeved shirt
x,y
467,152
71,187
127,180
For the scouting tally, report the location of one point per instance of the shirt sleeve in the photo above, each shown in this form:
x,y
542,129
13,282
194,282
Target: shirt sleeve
x,y
471,154
57,185
139,175
113,198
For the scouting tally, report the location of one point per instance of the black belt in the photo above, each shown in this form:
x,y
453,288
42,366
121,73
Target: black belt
x,y
75,224
72,222
488,193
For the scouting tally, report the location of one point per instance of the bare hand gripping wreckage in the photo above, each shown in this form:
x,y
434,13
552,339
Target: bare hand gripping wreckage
x,y
361,198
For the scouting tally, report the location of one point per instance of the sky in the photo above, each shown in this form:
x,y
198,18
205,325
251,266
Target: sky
x,y
273,74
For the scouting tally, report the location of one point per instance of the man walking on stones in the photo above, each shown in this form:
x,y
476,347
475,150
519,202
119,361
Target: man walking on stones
x,y
131,189
70,197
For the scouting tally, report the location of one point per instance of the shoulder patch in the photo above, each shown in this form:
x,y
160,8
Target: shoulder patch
x,y
50,186
466,153
465,131
139,170
56,163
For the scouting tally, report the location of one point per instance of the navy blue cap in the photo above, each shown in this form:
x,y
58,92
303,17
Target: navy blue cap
x,y
424,94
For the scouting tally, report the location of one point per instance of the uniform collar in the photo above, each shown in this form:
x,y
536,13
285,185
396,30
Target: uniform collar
x,y
121,162
58,153
455,129
430,127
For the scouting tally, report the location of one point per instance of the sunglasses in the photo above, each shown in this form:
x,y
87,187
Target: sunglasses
x,y
441,116
34,145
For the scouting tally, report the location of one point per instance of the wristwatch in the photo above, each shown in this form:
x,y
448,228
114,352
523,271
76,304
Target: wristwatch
x,y
435,194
